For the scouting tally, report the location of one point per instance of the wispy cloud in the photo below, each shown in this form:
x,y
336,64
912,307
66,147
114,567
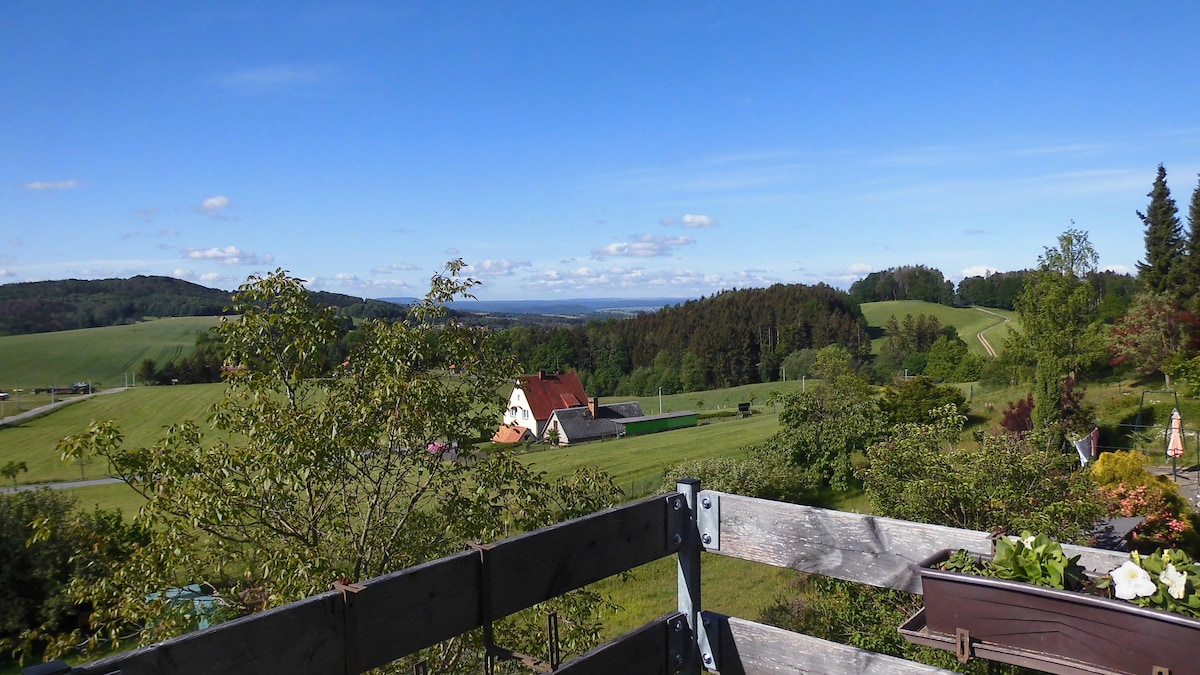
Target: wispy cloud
x,y
52,185
394,267
276,77
977,271
7,273
644,246
346,281
690,221
229,255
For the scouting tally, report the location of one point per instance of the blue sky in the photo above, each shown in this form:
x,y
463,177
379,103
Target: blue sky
x,y
583,149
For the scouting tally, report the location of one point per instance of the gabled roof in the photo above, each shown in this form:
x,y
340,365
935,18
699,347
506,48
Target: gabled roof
x,y
548,392
578,425
510,434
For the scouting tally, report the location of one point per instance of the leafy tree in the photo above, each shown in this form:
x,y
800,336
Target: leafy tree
x,y
919,475
12,469
314,472
821,428
147,372
1152,335
912,400
45,543
1163,269
1060,332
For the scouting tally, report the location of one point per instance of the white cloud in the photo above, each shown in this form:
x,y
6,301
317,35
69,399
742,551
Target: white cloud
x,y
496,268
345,281
1119,269
229,255
977,271
52,185
7,273
394,267
209,277
214,207
451,251
345,276
690,220
186,275
645,246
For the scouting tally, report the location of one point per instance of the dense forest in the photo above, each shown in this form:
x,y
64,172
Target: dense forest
x,y
46,306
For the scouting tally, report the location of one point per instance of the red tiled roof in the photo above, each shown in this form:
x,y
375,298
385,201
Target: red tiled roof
x,y
550,391
509,434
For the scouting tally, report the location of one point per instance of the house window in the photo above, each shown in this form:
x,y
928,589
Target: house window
x,y
524,413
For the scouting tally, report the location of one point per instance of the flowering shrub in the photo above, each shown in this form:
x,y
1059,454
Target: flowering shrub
x,y
1163,524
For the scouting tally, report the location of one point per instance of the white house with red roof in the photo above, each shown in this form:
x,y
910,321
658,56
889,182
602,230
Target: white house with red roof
x,y
536,397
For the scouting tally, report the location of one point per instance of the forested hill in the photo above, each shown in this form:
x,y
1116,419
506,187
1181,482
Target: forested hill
x,y
732,338
46,306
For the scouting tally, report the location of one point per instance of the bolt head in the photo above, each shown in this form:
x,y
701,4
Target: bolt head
x,y
708,659
678,539
706,503
706,538
676,503
678,659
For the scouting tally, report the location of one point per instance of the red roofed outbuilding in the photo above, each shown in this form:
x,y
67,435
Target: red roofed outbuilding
x,y
536,397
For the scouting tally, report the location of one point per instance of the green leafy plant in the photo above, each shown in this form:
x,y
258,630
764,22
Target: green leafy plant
x,y
1032,559
1165,579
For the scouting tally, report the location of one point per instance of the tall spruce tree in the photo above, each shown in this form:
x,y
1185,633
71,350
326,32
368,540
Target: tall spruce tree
x,y
1191,264
1163,270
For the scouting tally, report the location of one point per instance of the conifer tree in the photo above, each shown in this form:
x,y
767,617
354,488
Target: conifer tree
x,y
1163,269
1191,263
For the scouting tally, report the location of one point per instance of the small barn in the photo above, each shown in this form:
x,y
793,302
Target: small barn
x,y
649,424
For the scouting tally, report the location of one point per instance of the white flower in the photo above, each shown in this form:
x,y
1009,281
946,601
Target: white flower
x,y
1131,581
1175,580
1028,541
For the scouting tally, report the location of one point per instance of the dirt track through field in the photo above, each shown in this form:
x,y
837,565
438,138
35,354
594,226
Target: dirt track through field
x,y
987,345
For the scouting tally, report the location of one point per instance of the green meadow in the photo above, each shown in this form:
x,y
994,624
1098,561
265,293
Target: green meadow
x,y
968,321
98,355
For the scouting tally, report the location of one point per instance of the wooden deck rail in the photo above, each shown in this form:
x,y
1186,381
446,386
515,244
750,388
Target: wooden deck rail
x,y
402,612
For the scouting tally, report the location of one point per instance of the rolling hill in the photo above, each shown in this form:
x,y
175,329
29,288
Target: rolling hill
x,y
969,322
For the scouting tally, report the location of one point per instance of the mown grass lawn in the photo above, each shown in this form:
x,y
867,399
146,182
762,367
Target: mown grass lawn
x,y
967,320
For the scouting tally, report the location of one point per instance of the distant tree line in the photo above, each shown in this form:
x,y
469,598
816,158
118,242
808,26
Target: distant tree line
x,y
47,306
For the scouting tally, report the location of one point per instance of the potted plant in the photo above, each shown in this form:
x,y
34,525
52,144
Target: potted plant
x,y
1043,610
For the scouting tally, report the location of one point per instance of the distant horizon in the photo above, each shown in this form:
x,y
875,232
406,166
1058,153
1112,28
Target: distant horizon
x,y
572,149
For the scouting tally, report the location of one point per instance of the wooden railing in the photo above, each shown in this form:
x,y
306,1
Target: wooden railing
x,y
400,613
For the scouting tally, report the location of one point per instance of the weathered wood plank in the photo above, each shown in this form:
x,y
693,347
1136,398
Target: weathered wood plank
x,y
749,648
403,612
867,549
302,637
641,650
540,565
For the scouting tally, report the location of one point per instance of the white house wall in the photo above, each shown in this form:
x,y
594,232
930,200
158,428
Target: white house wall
x,y
519,412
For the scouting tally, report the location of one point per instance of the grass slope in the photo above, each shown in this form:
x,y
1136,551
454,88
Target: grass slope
x,y
95,354
968,321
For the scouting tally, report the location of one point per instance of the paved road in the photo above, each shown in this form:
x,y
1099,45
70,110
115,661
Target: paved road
x,y
36,412
62,485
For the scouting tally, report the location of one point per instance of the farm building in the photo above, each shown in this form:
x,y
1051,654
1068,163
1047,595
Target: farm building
x,y
592,422
511,433
649,424
535,397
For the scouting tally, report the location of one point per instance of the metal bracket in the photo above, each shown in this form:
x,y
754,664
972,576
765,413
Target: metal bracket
x,y
679,641
962,644
677,521
708,520
1159,670
708,640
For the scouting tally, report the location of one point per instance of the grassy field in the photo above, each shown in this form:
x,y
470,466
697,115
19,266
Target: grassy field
x,y
968,321
102,355
142,413
715,399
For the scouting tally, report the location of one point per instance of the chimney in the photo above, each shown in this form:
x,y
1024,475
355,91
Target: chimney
x,y
593,403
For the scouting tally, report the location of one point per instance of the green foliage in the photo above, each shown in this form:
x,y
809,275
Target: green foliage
x,y
1031,559
12,469
766,472
919,475
44,545
821,428
912,400
1172,576
1152,335
315,473
1120,467
910,282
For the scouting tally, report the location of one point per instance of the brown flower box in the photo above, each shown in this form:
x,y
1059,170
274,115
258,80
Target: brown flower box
x,y
1064,631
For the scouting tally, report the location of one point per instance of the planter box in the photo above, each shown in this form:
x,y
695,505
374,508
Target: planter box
x,y
1068,632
